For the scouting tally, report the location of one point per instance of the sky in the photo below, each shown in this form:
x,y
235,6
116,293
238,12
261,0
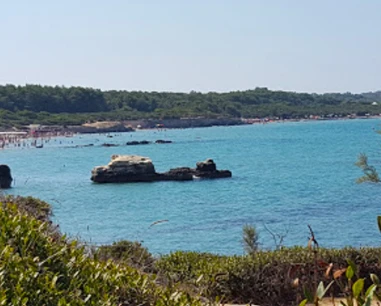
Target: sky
x,y
201,45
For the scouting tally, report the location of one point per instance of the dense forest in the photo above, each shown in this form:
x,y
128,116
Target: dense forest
x,y
74,105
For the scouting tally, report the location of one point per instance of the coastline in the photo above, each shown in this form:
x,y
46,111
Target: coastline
x,y
100,127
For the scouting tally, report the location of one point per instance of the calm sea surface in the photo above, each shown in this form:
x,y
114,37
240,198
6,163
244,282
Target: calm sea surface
x,y
285,176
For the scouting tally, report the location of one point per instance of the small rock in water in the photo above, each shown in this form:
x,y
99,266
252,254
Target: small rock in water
x,y
5,176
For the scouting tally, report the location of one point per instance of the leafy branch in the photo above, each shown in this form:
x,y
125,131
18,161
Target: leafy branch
x,y
370,172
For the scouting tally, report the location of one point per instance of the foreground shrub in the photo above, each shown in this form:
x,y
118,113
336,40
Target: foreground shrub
x,y
131,253
33,207
267,277
38,268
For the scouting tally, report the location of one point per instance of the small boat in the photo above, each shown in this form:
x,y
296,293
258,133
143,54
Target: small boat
x,y
39,146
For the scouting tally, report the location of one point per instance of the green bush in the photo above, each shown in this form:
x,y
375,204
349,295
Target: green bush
x,y
131,253
265,278
38,268
33,207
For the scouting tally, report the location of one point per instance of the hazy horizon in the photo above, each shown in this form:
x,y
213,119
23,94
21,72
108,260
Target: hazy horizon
x,y
202,46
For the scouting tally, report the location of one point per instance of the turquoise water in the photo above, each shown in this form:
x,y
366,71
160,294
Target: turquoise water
x,y
285,176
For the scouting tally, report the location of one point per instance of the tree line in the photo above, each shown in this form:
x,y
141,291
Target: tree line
x,y
31,103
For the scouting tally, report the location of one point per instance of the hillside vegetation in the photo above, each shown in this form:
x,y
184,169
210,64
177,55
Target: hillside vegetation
x,y
75,105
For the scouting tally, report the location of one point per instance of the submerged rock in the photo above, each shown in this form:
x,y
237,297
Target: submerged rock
x,y
133,168
109,145
5,177
161,141
135,142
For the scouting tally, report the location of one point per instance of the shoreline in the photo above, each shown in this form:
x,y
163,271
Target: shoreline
x,y
101,127
17,137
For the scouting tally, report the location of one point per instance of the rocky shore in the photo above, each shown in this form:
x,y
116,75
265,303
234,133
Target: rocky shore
x,y
87,128
133,168
130,125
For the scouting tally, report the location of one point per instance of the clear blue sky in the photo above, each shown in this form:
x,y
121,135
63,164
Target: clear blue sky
x,y
202,45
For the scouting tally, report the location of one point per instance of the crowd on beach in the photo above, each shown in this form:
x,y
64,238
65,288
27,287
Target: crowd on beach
x,y
28,139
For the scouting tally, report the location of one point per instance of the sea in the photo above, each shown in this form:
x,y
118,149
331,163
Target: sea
x,y
286,176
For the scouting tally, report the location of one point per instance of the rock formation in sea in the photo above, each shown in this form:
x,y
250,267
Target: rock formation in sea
x,y
135,142
125,168
208,169
5,177
133,168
